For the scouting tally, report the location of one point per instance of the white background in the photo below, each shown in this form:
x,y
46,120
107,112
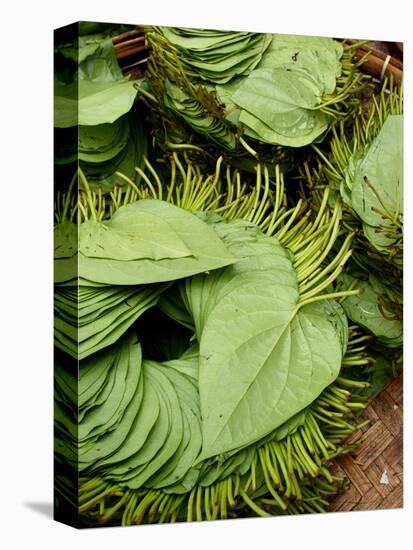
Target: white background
x,y
26,272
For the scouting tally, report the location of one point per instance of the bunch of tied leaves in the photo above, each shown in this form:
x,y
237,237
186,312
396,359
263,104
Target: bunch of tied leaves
x,y
96,121
249,91
210,348
363,165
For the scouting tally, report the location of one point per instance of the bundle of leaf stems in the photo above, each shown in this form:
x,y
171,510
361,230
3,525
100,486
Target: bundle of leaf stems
x,y
331,168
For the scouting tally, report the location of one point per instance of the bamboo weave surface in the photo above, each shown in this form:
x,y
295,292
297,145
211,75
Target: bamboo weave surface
x,y
374,470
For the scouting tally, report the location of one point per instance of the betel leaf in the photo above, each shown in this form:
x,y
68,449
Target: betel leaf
x,y
367,310
105,102
96,44
104,175
92,103
132,238
320,56
193,113
377,185
206,249
65,251
262,358
200,39
279,106
65,240
260,258
261,363
282,91
97,94
81,331
102,65
109,396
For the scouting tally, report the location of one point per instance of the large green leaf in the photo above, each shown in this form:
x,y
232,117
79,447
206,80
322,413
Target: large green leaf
x,y
261,364
91,103
108,395
65,240
97,93
93,44
278,105
366,309
262,358
200,39
382,166
319,56
105,102
206,250
260,258
195,116
131,237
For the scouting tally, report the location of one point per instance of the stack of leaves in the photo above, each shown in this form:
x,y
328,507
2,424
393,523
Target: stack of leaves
x,y
191,111
88,319
213,332
95,121
294,89
373,188
364,166
281,101
217,56
118,262
94,404
249,414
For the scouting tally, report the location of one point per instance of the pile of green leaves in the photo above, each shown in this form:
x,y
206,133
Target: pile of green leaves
x,y
242,356
280,101
289,93
95,119
373,188
364,166
119,261
217,330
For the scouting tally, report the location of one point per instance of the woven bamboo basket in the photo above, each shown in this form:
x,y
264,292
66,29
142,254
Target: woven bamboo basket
x,y
374,470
